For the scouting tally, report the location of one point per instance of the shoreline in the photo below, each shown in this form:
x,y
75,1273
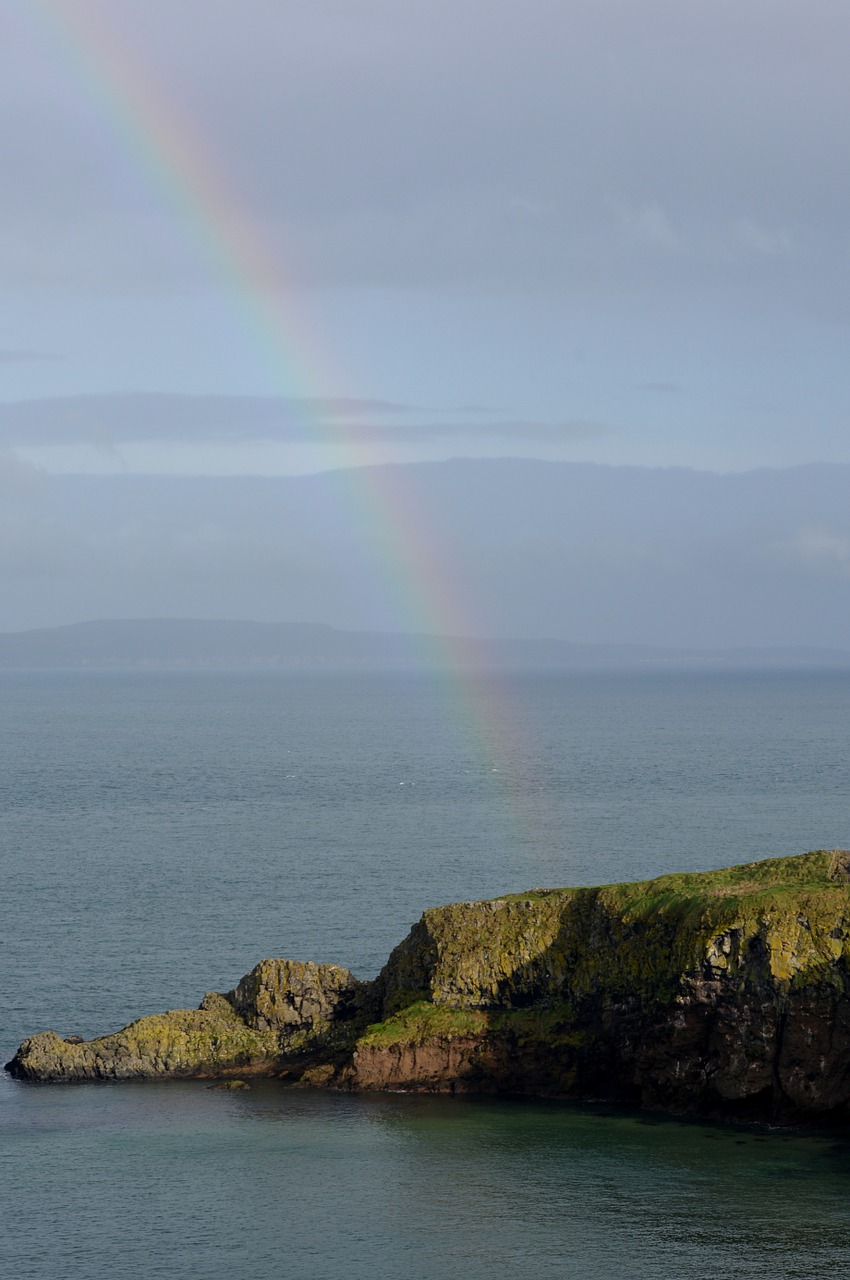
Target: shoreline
x,y
718,995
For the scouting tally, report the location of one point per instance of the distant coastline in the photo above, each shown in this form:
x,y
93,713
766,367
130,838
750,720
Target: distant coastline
x,y
221,644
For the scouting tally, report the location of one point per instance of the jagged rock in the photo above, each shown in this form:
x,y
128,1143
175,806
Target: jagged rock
x,y
723,993
280,1009
307,1005
183,1042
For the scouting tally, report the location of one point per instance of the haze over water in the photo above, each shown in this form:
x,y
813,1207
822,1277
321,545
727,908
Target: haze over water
x,y
163,832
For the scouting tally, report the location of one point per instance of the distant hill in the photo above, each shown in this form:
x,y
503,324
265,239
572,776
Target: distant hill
x,y
193,643
668,558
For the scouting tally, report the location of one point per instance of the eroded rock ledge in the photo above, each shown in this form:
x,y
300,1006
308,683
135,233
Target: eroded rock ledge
x,y
722,993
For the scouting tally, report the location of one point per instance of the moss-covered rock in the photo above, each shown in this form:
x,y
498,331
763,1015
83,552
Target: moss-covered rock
x,y
542,947
309,1006
724,992
281,1011
183,1042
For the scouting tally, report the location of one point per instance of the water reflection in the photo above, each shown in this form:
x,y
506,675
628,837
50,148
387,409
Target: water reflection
x,y
384,1185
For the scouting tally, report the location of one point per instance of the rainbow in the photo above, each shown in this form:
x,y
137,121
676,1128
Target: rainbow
x,y
178,165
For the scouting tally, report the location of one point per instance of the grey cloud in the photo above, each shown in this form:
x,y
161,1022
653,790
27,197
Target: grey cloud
x,y
482,143
345,406
817,549
102,420
108,421
551,432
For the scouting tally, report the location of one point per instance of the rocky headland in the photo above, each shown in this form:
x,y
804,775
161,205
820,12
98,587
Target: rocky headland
x,y
724,993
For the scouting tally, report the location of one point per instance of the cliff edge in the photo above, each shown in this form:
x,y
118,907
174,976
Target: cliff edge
x,y
724,993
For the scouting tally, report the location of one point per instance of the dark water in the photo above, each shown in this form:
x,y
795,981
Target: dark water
x,y
160,833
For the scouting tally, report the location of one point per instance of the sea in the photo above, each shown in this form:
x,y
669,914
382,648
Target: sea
x,y
162,831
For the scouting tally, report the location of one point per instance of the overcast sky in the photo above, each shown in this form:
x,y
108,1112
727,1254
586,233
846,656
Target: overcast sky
x,y
610,230
274,237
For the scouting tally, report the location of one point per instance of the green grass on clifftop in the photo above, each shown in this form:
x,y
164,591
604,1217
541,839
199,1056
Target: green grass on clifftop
x,y
482,962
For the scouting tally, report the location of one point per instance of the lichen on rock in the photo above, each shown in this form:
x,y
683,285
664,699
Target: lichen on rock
x,y
182,1042
717,993
281,1010
722,992
308,1006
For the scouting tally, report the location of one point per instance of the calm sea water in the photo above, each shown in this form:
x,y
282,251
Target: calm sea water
x,y
162,832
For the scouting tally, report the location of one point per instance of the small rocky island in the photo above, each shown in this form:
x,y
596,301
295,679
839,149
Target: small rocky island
x,y
724,993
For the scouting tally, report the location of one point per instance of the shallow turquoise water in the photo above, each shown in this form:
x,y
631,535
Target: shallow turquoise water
x,y
160,833
164,1181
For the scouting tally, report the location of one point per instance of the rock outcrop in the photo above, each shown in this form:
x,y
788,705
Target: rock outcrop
x,y
281,1010
723,993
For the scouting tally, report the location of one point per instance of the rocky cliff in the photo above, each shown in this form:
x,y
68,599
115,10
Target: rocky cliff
x,y
722,993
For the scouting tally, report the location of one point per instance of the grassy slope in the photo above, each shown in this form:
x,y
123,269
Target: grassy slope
x,y
634,939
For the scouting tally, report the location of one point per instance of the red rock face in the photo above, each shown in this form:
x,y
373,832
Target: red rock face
x,y
723,994
714,1052
438,1066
